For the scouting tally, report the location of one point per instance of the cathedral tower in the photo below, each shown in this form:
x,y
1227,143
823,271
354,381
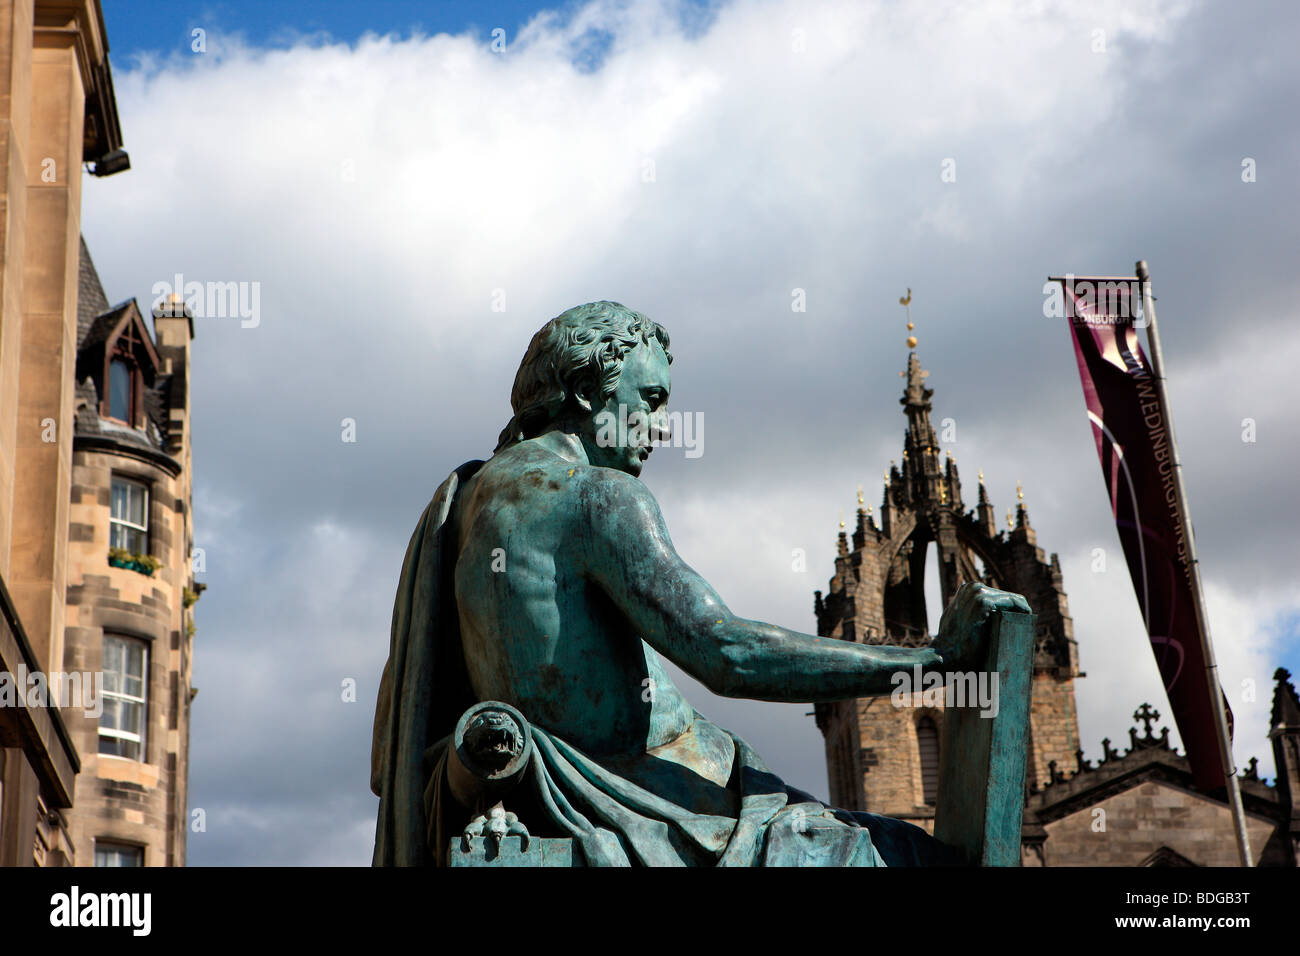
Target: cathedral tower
x,y
886,759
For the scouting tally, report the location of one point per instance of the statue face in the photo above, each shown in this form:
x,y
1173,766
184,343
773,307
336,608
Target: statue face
x,y
634,415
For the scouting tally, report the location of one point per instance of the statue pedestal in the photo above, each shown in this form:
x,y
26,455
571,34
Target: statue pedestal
x,y
542,851
982,758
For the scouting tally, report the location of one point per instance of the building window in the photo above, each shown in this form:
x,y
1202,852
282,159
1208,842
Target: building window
x,y
119,390
927,742
125,382
121,726
118,854
129,519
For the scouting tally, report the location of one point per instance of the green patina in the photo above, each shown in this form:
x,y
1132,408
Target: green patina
x,y
545,578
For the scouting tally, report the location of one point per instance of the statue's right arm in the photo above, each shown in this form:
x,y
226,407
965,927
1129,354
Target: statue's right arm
x,y
673,609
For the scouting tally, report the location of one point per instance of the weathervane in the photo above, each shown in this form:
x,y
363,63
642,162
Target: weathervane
x,y
906,303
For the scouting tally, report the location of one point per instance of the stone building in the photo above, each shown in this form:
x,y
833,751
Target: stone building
x,y
57,111
130,579
886,759
95,484
1142,808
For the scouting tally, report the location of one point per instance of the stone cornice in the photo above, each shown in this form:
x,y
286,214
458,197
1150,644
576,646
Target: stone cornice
x,y
79,24
106,443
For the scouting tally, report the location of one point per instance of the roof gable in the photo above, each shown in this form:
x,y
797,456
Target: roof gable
x,y
106,328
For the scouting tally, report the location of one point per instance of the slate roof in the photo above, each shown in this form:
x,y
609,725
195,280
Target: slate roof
x,y
91,301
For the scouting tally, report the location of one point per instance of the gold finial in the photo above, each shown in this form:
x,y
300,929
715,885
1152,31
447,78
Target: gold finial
x,y
943,494
1020,492
841,520
981,476
906,303
859,496
904,454
868,511
1010,526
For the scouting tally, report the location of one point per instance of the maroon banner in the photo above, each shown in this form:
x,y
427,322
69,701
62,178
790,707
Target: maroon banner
x,y
1131,426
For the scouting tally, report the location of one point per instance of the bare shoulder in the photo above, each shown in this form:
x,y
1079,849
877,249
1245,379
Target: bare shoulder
x,y
608,504
620,508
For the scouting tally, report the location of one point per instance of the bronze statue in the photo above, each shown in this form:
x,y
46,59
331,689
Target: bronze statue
x,y
545,579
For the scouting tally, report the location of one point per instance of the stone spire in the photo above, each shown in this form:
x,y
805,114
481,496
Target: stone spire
x,y
878,596
921,467
988,520
1022,516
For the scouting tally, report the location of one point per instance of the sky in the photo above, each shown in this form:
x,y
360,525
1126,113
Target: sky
x,y
405,196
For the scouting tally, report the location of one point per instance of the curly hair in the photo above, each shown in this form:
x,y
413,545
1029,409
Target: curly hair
x,y
581,349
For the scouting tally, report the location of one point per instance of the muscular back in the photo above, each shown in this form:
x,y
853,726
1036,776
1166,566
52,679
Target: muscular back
x,y
539,630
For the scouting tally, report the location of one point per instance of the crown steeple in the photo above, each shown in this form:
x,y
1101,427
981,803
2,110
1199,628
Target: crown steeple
x,y
879,595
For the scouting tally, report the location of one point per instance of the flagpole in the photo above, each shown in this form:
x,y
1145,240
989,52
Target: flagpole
x,y
1198,596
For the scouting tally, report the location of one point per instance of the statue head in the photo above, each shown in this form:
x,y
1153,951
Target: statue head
x,y
588,371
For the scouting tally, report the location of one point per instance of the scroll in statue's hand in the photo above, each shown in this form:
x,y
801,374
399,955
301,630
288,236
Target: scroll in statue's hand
x,y
962,629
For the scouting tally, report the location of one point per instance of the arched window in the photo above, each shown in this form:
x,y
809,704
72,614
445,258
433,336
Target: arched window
x,y
927,742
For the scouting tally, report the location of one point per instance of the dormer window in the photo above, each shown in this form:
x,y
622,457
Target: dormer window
x,y
120,390
124,396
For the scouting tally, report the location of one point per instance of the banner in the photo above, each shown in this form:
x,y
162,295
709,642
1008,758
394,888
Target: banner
x,y
1131,425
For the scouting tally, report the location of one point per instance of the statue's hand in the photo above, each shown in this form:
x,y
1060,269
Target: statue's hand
x,y
497,824
962,635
